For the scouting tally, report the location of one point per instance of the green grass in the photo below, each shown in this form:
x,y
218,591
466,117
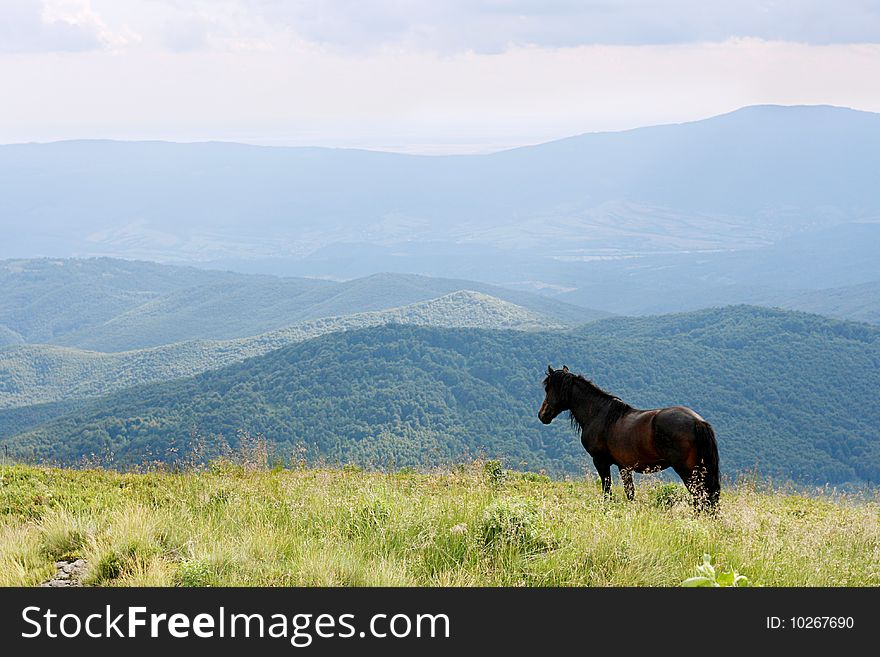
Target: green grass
x,y
236,526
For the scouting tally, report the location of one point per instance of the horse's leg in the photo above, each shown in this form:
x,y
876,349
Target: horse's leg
x,y
626,476
604,469
693,482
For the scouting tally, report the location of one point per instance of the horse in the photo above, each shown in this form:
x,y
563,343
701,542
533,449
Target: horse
x,y
615,433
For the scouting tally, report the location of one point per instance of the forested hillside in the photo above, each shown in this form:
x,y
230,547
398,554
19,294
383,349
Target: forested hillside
x,y
792,394
35,374
109,305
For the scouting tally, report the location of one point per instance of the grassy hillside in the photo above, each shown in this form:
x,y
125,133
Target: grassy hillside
x,y
109,305
792,394
35,374
239,524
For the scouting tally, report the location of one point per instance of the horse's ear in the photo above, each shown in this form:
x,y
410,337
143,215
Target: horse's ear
x,y
549,369
565,368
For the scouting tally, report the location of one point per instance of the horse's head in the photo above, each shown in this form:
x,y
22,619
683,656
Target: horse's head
x,y
556,395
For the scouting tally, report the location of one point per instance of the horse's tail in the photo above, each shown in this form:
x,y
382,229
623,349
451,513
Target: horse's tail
x,y
707,453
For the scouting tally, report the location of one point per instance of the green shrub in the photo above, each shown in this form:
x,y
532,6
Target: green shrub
x,y
220,497
535,477
225,467
666,496
108,567
513,523
195,572
62,542
708,575
369,516
122,558
495,474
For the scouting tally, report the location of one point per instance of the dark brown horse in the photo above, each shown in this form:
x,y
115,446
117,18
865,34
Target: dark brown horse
x,y
615,433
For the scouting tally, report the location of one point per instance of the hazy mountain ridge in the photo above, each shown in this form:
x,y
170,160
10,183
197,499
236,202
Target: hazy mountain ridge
x,y
116,305
731,181
36,374
799,272
756,206
859,302
9,337
43,299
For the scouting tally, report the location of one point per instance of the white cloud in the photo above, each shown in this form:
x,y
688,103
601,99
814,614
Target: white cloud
x,y
491,26
187,34
24,28
31,26
447,26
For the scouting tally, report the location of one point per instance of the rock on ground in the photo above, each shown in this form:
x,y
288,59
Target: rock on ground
x,y
67,573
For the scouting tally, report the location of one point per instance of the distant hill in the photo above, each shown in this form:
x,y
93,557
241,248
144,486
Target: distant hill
x,y
35,374
735,182
8,337
798,273
117,305
731,180
18,419
857,302
789,393
47,300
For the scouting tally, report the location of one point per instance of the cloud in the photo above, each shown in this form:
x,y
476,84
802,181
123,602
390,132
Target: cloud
x,y
186,34
447,26
497,25
29,26
23,28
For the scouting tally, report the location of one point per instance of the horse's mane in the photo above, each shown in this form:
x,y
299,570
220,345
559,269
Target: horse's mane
x,y
611,409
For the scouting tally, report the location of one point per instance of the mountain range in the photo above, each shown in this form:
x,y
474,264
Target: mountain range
x,y
35,374
113,305
389,309
753,204
790,394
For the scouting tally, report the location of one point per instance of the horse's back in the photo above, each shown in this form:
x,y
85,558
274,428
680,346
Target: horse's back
x,y
677,416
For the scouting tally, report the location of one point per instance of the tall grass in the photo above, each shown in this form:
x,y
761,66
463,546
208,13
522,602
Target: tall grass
x,y
236,525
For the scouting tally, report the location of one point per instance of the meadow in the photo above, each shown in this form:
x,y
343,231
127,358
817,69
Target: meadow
x,y
233,524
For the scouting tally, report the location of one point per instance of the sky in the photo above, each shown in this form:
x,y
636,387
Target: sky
x,y
422,76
